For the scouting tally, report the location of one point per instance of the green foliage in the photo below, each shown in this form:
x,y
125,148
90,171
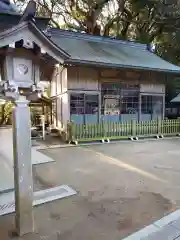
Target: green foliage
x,y
48,92
146,21
7,113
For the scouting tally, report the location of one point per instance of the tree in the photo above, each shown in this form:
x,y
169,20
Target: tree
x,y
6,113
142,20
82,15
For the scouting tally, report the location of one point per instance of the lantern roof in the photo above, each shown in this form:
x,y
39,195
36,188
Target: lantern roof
x,y
29,32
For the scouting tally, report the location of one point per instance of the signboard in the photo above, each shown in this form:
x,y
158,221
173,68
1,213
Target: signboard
x,y
152,88
111,105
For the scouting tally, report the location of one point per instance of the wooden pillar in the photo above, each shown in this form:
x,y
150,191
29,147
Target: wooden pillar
x,y
163,107
51,113
54,94
140,110
43,112
65,110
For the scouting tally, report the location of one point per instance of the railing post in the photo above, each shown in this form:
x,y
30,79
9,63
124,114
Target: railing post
x,y
133,127
104,128
179,125
159,121
71,131
68,132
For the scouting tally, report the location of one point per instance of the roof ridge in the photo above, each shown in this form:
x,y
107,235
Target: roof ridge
x,y
86,36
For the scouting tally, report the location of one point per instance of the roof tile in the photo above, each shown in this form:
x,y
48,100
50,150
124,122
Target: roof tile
x,y
85,48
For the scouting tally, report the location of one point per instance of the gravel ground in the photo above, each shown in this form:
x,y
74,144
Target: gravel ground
x,y
121,188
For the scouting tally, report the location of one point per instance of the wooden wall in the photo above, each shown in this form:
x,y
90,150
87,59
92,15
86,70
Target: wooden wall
x,y
83,78
86,79
80,78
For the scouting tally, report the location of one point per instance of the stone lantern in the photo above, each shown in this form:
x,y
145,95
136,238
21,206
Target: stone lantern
x,y
20,75
20,82
20,62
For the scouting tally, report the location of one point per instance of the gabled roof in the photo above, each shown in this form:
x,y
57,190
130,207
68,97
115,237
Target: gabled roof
x,y
78,48
29,31
176,99
10,16
104,51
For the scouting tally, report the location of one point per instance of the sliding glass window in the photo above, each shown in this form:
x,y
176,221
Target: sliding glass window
x,y
84,108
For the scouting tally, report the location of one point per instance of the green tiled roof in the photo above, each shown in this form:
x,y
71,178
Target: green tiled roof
x,y
103,51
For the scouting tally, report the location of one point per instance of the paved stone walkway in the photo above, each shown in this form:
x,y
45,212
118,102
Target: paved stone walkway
x,y
167,228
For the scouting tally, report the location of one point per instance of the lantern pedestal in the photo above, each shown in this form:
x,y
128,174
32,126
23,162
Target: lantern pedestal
x,y
23,167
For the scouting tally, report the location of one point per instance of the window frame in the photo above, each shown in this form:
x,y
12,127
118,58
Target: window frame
x,y
97,93
151,94
122,88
